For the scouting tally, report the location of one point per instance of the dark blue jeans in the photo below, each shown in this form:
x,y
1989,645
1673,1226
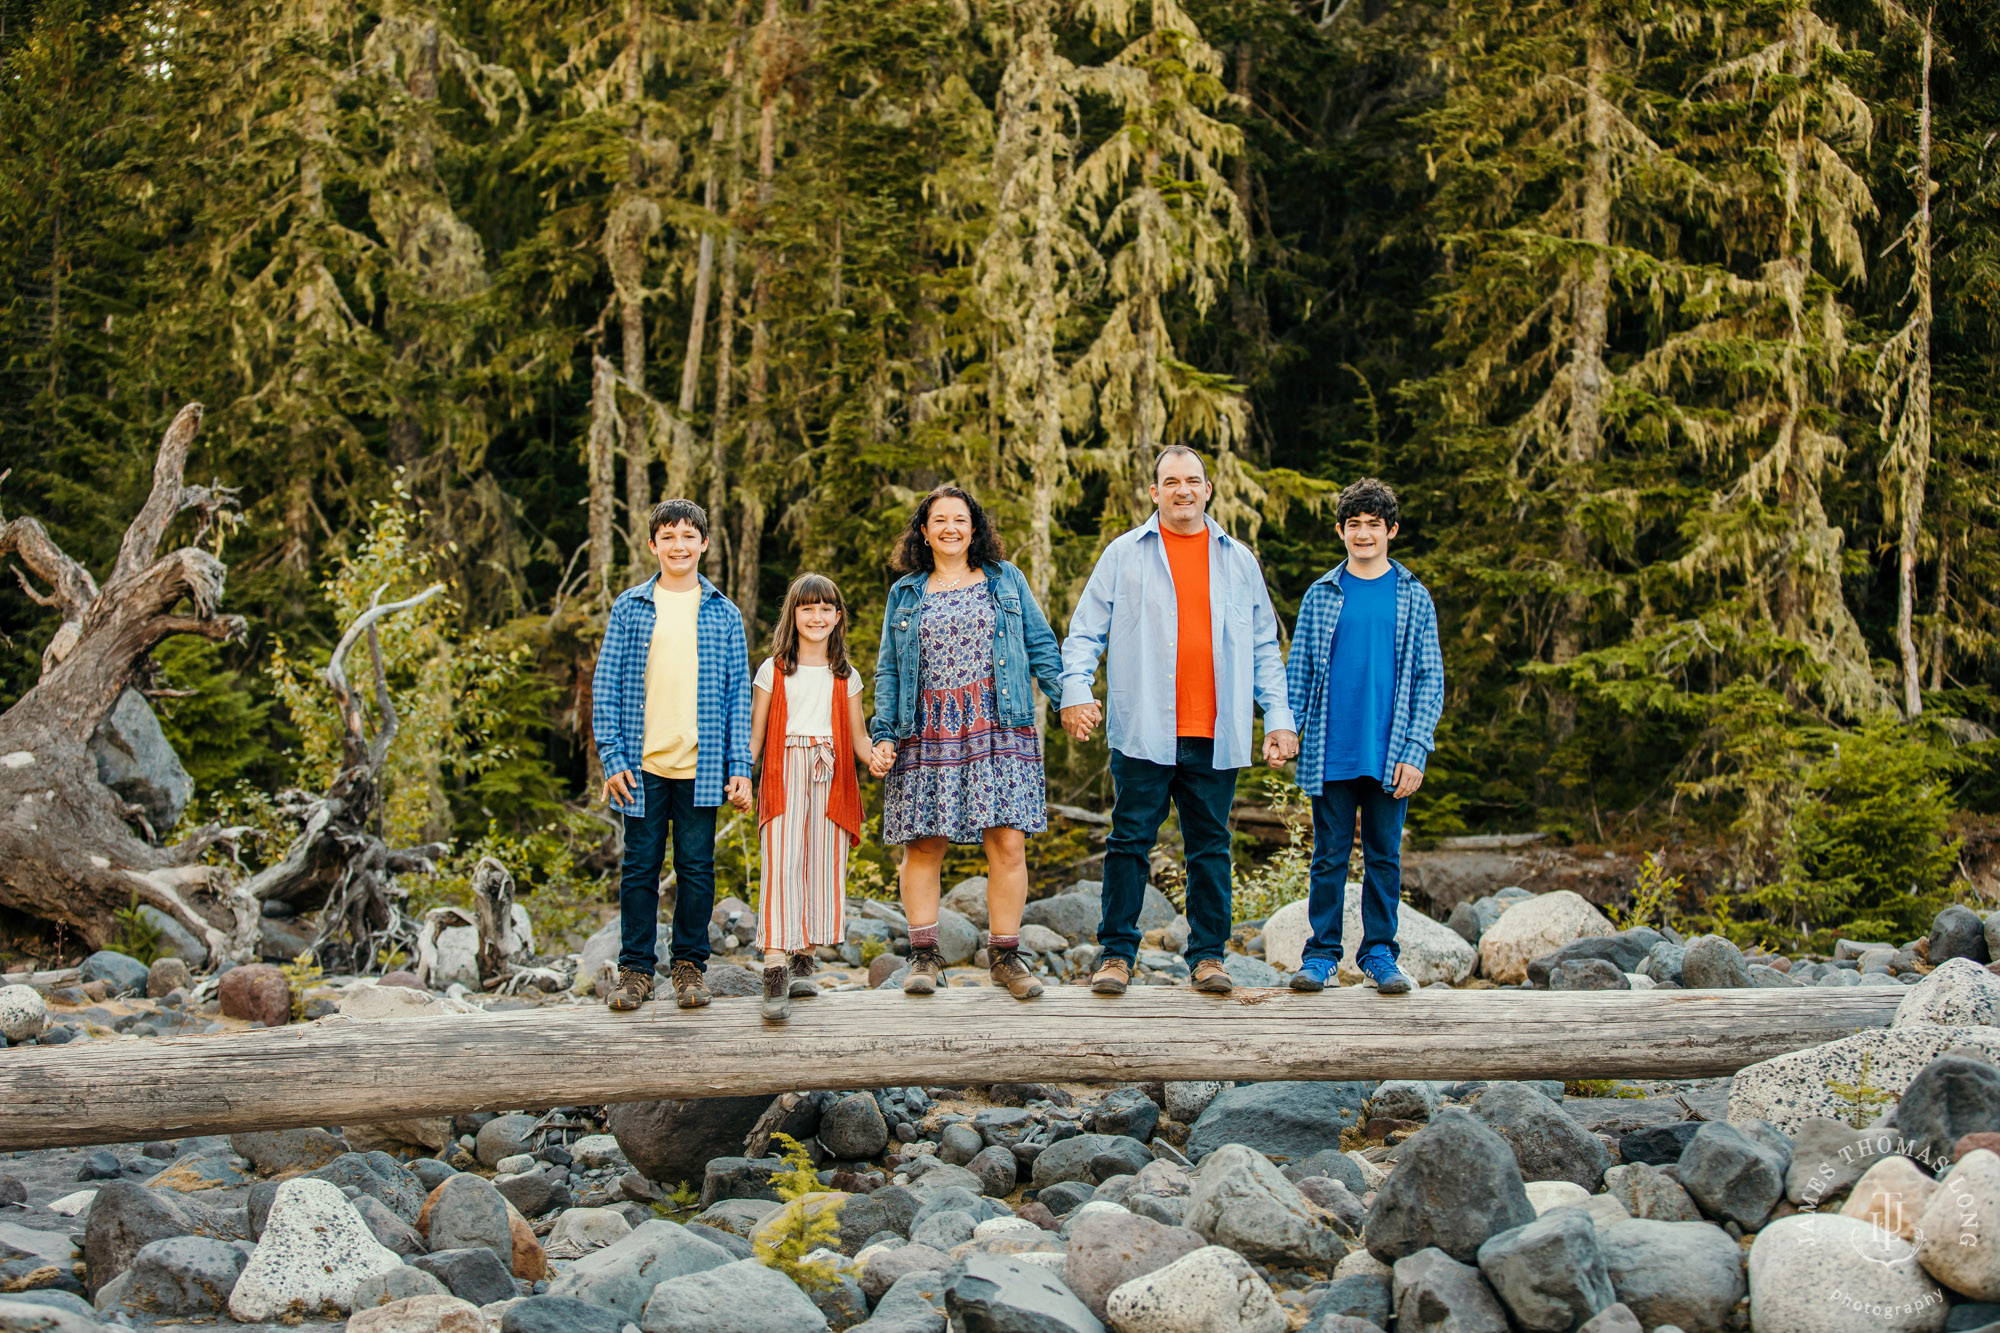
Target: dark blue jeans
x,y
1381,877
669,803
1202,793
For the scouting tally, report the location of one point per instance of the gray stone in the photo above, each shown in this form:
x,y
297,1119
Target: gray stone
x,y
125,1217
1358,1296
1958,932
315,1250
1285,1121
1957,993
1187,1100
1212,1290
1456,1186
475,1274
739,1217
1588,974
1003,1126
187,1275
1074,916
997,1170
1242,1201
841,1302
1091,1158
1644,1191
1616,1318
968,899
398,1284
1657,1145
1245,970
532,1192
672,1140
288,1150
853,1128
1402,1099
1128,1112
1954,1235
23,1013
1464,919
1950,1097
623,1274
1766,977
1828,1156
1788,1090
914,1304
1733,1175
941,1231
503,1136
991,1293
958,938
742,1297
740,1178
887,1268
1063,1196
1547,1144
1625,951
1713,963
469,1212
19,1314
1799,1263
959,1144
385,1226
1332,1163
1109,1249
1663,966
1689,1274
121,973
1549,1274
1435,1293
378,1175
560,1314
135,759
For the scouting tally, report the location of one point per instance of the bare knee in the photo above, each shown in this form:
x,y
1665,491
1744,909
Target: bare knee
x,y
1006,849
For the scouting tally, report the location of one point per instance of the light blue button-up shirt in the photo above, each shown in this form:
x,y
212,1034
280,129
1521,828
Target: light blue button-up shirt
x,y
1128,607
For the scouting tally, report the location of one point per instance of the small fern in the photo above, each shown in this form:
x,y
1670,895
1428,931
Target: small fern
x,y
137,938
808,1221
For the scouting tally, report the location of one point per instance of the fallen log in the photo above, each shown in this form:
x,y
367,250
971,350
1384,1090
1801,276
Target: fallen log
x,y
340,1071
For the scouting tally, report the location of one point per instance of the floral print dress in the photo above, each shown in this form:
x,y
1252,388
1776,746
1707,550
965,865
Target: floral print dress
x,y
961,773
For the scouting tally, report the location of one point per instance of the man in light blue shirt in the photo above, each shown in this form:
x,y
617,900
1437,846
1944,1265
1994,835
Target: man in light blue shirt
x,y
1192,640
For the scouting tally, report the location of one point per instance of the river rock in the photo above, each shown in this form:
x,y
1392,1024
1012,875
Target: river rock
x,y
314,1250
121,974
1689,1274
998,1171
135,759
125,1217
1435,1291
23,1013
1109,1249
1808,1275
1787,1090
1734,1176
1958,932
1950,1097
580,1230
503,1136
1891,1194
1713,963
991,1293
1625,951
1547,1194
467,1211
623,1274
741,1297
1209,1290
1550,1273
1126,1111
1286,1121
186,1275
853,1128
560,1314
1588,974
1185,1101
1091,1158
1535,927
1547,1144
1958,993
473,1274
672,1140
256,992
398,1284
288,1151
885,1268
1456,1186
1955,1234
1242,1201
1430,951
1644,1191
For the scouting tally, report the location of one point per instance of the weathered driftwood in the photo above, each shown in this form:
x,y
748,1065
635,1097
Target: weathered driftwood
x,y
349,1072
69,849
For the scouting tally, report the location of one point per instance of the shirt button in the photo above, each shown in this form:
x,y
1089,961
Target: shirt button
x,y
1003,689
1003,661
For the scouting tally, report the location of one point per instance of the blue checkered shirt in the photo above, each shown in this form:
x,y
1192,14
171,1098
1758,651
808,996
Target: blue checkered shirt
x,y
1419,675
722,693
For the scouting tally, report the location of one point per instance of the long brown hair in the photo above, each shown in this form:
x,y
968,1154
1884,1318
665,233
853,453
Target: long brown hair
x,y
806,590
913,553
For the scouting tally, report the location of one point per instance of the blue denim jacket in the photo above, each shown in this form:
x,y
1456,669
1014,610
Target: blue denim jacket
x,y
1129,617
1024,651
1419,674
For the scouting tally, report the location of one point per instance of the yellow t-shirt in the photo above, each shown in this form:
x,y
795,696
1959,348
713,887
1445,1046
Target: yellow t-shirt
x,y
672,674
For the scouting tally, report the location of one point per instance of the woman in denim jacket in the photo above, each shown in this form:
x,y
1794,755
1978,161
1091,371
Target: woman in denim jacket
x,y
954,725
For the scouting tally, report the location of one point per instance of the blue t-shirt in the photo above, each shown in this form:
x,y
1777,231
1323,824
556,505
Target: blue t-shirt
x,y
1361,679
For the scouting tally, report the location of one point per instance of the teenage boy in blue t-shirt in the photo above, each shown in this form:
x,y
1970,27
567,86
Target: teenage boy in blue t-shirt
x,y
1366,680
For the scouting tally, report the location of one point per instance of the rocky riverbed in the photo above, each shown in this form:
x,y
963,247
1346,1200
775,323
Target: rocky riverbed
x,y
1853,1186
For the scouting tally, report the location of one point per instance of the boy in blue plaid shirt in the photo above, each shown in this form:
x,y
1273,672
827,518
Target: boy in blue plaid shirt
x,y
671,716
1366,680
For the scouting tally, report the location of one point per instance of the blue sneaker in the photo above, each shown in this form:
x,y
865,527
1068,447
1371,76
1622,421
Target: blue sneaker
x,y
1314,974
1388,978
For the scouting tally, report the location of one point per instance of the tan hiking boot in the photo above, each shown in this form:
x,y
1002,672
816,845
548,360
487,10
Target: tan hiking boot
x,y
777,1005
1010,971
633,989
926,966
690,991
803,987
1112,976
1210,975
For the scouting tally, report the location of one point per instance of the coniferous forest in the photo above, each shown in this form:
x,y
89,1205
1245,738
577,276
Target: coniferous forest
x,y
1674,323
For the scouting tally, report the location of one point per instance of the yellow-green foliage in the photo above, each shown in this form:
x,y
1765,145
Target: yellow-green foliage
x,y
1655,898
301,974
137,937
1287,875
805,1223
1863,1098
1600,1087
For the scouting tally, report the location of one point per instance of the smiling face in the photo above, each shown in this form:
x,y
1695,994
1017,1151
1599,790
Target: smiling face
x,y
680,547
816,621
1367,538
948,527
1180,490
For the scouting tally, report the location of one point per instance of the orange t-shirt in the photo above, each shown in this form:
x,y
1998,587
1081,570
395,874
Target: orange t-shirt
x,y
1194,653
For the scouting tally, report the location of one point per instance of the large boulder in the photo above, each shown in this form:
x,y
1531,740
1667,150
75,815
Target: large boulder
x,y
1242,1201
1549,1274
125,1217
623,1274
314,1251
672,1140
1537,926
1788,1090
1955,1236
1211,1290
1435,1291
1823,1273
186,1275
741,1297
1689,1274
1547,1144
853,1128
1457,1186
135,759
1958,993
1735,1176
1949,1098
1108,1249
1625,951
1431,952
1090,1158
993,1293
1958,932
1284,1121
1710,962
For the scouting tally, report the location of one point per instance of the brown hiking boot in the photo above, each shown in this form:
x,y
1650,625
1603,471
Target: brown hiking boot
x,y
777,994
1210,975
1112,976
690,991
1011,972
926,966
803,965
633,989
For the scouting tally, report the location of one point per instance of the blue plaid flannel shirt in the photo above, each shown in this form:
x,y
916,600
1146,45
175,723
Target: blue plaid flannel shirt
x,y
1419,675
722,693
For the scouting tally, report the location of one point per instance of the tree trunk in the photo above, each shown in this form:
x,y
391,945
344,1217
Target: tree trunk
x,y
600,456
1916,458
68,853
363,1071
758,430
637,221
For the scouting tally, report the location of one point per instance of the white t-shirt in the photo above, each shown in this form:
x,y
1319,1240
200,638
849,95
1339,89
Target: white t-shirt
x,y
808,696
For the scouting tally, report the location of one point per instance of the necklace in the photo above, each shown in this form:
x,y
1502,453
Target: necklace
x,y
942,586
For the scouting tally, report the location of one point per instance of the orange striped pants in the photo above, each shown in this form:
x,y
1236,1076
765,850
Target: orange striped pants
x,y
804,894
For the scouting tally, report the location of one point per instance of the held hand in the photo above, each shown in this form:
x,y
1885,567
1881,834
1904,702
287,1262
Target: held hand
x,y
883,759
738,792
1079,720
1408,778
1280,747
618,789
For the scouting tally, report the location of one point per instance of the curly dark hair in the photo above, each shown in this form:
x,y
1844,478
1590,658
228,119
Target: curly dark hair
x,y
1367,496
913,553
